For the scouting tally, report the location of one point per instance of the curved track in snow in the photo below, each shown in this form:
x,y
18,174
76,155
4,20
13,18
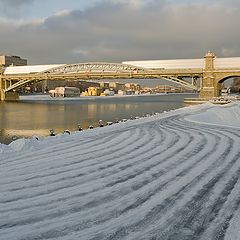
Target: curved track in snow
x,y
155,178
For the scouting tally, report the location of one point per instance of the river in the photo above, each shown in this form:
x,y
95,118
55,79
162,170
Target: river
x,y
27,118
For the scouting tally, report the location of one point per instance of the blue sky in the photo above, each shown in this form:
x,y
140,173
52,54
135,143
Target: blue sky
x,y
44,8
65,31
31,9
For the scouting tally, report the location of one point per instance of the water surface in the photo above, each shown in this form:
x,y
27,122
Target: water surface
x,y
30,118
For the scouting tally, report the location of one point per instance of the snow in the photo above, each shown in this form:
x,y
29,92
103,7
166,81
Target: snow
x,y
230,116
174,175
30,69
233,232
185,63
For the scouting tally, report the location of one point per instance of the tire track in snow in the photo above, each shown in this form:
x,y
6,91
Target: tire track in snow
x,y
59,148
61,199
130,137
191,236
125,207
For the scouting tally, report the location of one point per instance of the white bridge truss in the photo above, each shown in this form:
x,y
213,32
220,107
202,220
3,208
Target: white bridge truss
x,y
182,82
93,71
96,67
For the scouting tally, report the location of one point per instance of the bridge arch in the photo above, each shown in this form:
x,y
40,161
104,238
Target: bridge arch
x,y
95,67
95,70
221,78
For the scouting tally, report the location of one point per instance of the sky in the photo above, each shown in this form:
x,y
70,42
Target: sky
x,y
72,31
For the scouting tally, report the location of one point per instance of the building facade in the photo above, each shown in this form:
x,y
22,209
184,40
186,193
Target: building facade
x,y
93,91
133,86
7,61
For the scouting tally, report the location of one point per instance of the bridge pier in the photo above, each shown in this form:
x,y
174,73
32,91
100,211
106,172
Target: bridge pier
x,y
7,96
210,88
11,96
2,94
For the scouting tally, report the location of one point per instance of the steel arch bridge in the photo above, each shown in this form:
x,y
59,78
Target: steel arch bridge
x,y
90,71
95,67
211,72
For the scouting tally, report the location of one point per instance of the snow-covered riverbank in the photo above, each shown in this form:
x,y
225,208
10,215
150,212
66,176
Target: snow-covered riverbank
x,y
174,175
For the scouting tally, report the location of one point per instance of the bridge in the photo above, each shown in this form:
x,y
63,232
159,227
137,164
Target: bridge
x,y
205,75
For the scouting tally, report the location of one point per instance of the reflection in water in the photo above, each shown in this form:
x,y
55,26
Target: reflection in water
x,y
92,108
29,118
26,132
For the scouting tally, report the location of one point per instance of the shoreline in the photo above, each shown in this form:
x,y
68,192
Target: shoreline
x,y
61,114
45,97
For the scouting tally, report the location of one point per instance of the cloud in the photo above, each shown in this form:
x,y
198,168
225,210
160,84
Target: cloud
x,y
14,3
132,3
115,31
227,51
62,13
13,8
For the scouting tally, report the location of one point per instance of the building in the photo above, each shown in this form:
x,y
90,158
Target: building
x,y
117,86
108,92
121,92
104,85
112,85
163,89
93,91
65,92
7,61
133,86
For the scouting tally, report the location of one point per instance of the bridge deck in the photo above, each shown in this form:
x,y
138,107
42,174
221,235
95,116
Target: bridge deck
x,y
211,72
186,63
180,65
